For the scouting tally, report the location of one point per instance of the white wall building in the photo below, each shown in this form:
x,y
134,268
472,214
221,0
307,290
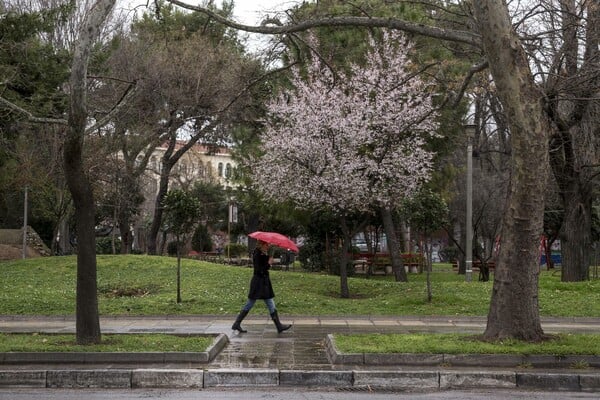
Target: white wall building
x,y
200,163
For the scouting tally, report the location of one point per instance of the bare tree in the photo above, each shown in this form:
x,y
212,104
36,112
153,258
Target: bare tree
x,y
87,316
195,99
568,60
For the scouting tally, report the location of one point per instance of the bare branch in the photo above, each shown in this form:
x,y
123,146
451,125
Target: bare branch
x,y
474,69
251,84
29,116
123,101
390,23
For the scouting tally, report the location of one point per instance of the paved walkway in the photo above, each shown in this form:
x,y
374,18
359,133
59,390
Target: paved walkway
x,y
302,347
296,358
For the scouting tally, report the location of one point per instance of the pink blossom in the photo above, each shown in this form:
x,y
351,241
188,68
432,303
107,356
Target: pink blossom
x,y
351,143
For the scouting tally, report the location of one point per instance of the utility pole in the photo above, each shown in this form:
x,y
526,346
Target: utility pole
x,y
232,219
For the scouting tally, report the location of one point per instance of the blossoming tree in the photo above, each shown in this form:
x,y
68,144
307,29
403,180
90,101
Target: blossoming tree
x,y
352,142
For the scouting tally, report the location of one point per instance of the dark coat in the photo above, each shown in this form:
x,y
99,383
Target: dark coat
x,y
260,285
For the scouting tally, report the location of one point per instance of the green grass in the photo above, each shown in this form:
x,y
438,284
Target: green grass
x,y
450,343
18,342
146,285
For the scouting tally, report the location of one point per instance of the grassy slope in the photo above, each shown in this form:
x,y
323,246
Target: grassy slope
x,y
138,285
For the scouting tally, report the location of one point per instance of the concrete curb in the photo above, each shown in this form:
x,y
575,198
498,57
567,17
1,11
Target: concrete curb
x,y
219,343
457,360
388,379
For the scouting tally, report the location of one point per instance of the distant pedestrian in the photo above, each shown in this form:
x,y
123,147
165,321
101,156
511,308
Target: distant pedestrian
x,y
260,288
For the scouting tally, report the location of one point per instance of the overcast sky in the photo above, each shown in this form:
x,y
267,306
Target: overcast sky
x,y
251,12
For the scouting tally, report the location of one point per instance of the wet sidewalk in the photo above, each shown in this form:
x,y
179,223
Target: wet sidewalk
x,y
295,358
303,347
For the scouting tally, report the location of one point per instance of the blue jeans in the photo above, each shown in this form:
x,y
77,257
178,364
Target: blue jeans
x,y
269,302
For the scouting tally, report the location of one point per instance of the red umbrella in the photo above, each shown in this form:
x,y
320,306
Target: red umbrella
x,y
276,239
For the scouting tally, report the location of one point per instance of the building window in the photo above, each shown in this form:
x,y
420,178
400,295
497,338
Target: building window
x,y
228,171
220,169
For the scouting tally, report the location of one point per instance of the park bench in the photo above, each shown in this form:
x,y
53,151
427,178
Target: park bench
x,y
476,267
371,264
211,256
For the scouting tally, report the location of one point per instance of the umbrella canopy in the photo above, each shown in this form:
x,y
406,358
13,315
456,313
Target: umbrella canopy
x,y
276,239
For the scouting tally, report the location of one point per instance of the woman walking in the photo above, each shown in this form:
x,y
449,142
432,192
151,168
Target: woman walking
x,y
260,288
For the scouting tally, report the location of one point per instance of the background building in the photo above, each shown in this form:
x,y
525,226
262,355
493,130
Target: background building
x,y
201,163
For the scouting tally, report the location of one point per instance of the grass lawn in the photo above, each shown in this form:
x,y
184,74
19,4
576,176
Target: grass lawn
x,y
16,342
451,343
146,285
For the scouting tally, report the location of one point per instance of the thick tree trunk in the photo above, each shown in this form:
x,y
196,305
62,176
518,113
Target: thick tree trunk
x,y
87,316
514,309
575,235
393,245
572,90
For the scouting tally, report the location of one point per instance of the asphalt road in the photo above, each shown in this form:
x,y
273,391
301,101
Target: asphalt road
x,y
280,394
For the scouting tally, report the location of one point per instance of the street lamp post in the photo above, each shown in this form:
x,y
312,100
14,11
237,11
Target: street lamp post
x,y
470,130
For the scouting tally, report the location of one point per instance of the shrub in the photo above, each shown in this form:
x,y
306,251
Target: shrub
x,y
236,249
201,241
312,256
172,247
104,245
449,254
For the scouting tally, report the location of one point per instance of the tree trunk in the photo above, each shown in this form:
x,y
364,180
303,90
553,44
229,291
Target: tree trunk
x,y
126,236
169,160
87,316
548,252
88,322
514,309
405,237
427,247
393,245
163,188
346,242
574,141
124,223
575,235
